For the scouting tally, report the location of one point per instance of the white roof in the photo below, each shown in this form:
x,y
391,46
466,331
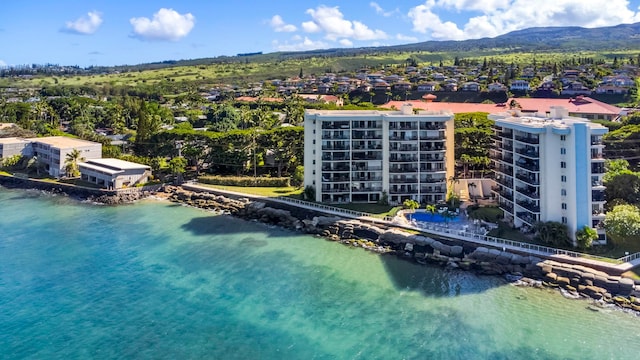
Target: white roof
x,y
117,164
63,142
13,140
99,168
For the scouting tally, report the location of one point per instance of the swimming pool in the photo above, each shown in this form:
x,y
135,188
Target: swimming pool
x,y
428,217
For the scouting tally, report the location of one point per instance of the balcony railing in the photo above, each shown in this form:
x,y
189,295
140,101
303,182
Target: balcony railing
x,y
597,170
432,180
529,205
528,179
529,166
507,207
340,148
366,178
528,153
528,139
404,159
527,217
430,190
402,170
403,181
526,192
505,195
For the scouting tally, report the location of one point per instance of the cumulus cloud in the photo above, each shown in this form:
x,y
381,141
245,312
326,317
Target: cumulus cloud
x,y
84,25
300,45
380,11
2,63
332,23
166,25
495,17
346,42
279,25
402,37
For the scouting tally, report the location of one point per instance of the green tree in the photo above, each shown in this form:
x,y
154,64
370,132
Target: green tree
x,y
178,166
585,237
552,232
623,223
431,209
71,163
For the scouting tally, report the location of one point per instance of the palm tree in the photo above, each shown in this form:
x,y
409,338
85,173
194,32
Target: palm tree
x,y
71,163
431,209
411,205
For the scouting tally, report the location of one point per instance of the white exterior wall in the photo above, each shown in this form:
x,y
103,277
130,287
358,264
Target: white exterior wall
x,y
19,147
574,135
362,172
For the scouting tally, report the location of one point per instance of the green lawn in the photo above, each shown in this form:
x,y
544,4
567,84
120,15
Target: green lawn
x,y
292,192
376,210
490,214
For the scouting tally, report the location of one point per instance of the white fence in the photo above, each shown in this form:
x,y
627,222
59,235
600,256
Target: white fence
x,y
463,235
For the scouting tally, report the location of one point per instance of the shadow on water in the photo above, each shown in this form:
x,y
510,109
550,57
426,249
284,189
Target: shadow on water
x,y
226,225
435,281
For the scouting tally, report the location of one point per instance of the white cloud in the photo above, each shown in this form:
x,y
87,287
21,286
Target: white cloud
x,y
166,25
346,42
402,37
495,17
2,63
84,25
305,44
332,23
279,25
380,11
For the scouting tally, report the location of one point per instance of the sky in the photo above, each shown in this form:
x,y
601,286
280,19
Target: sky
x,y
117,32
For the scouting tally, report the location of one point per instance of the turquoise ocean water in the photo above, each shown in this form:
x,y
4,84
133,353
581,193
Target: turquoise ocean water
x,y
160,281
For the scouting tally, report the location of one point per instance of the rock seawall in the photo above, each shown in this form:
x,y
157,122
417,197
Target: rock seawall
x,y
576,280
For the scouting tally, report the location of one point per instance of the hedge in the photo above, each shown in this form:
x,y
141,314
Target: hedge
x,y
245,181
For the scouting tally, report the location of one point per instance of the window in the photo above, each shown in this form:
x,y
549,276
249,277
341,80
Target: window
x,y
563,137
564,219
564,206
563,192
563,151
563,178
563,164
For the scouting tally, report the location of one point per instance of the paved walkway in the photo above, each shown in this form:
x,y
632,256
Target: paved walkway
x,y
457,234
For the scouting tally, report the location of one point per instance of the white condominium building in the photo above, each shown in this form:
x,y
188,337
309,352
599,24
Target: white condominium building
x,y
358,156
52,151
549,169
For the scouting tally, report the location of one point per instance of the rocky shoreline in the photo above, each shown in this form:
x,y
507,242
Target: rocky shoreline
x,y
574,281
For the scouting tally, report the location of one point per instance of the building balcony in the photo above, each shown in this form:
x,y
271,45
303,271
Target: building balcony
x,y
597,168
534,167
360,156
340,167
431,148
528,218
531,180
528,193
401,170
528,152
529,205
393,126
432,190
528,139
404,159
339,157
366,178
597,185
366,189
333,191
333,137
505,169
597,156
404,148
403,191
403,138
430,180
505,195
336,148
506,207
504,182
403,180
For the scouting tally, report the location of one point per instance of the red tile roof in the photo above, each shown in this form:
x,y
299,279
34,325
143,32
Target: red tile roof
x,y
579,105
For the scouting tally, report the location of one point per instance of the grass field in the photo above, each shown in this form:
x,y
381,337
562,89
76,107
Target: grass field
x,y
292,192
239,72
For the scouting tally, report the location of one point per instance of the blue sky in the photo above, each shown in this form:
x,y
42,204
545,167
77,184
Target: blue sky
x,y
114,32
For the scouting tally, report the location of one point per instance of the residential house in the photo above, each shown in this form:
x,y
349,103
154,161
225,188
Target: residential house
x,y
470,86
14,146
519,85
114,173
427,87
576,88
496,87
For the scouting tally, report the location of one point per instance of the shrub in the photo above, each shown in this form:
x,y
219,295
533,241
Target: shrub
x,y
245,181
585,237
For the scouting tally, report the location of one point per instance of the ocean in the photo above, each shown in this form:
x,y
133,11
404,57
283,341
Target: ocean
x,y
162,281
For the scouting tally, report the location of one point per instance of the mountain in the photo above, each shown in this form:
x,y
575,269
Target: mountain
x,y
561,39
537,39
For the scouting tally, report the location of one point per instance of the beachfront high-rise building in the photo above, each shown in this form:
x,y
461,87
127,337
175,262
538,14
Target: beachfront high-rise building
x,y
549,168
361,156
